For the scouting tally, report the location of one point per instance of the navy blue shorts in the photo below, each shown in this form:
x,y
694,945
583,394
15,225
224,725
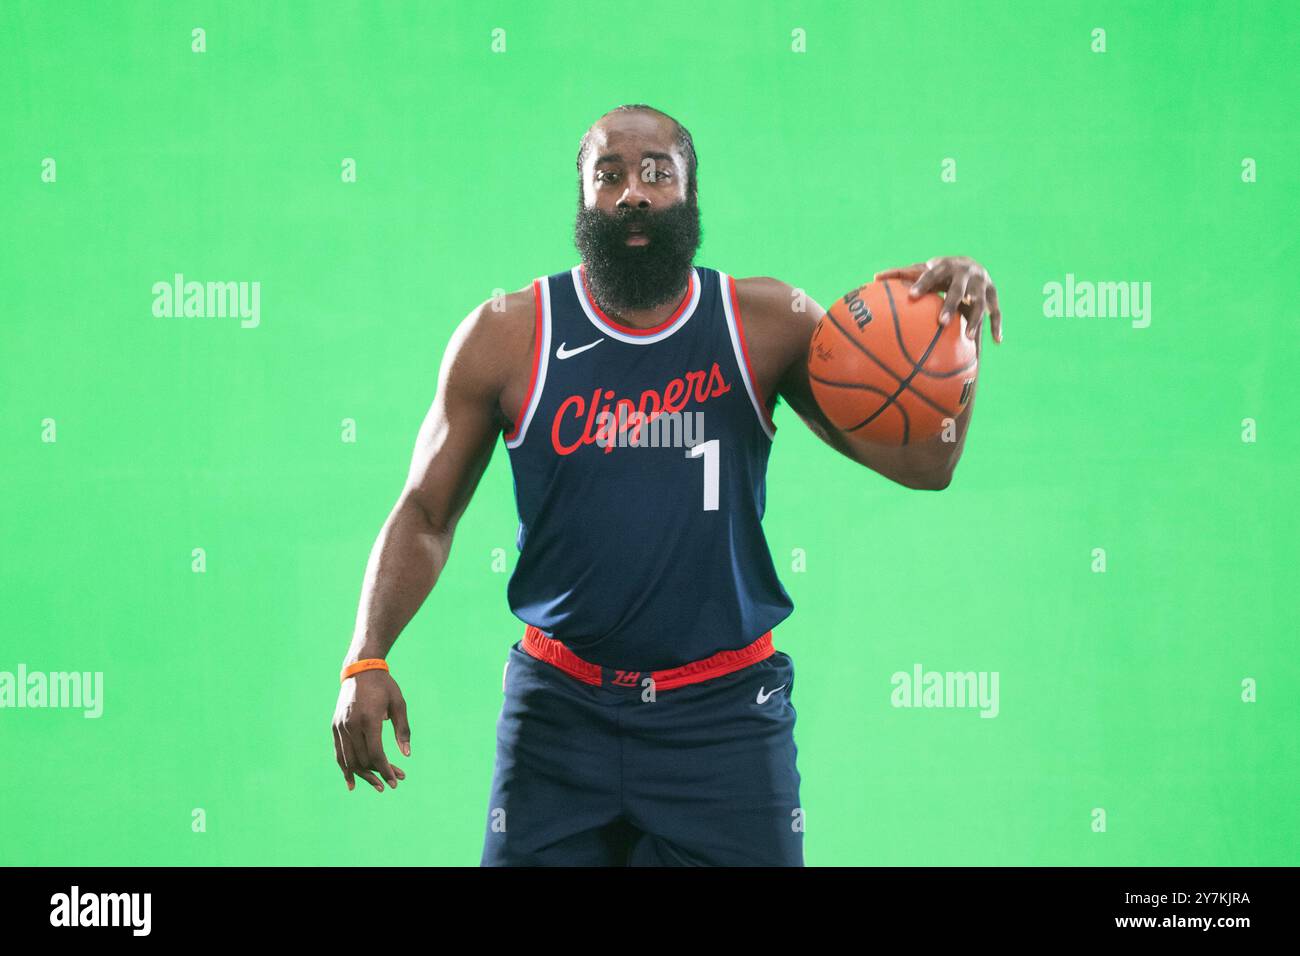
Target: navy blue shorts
x,y
703,775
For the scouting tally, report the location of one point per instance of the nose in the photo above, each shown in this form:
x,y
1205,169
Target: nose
x,y
634,197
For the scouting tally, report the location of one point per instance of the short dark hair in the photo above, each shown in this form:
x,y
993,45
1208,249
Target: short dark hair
x,y
684,143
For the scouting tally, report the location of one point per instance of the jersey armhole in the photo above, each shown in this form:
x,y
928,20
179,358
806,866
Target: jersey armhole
x,y
541,348
731,306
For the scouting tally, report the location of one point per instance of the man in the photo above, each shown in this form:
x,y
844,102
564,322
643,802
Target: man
x,y
648,715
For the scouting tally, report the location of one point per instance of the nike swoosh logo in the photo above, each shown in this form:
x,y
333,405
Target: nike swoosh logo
x,y
762,698
563,353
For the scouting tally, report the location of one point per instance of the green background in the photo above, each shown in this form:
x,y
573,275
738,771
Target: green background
x,y
1119,691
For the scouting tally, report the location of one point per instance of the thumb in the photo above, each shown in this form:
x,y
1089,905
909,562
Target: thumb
x,y
401,726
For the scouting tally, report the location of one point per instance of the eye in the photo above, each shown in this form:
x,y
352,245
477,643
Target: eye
x,y
606,175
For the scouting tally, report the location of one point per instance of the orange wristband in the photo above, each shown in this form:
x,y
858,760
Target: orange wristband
x,y
369,664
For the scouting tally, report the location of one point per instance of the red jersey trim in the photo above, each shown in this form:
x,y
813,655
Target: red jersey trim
x,y
627,329
537,361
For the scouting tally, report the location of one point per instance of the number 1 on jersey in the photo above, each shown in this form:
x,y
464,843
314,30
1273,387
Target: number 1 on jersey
x,y
709,451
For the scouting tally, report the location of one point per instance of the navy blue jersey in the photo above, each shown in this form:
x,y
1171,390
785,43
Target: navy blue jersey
x,y
639,461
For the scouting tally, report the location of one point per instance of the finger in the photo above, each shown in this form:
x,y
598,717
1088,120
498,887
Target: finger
x,y
929,281
370,778
400,774
973,302
401,725
906,272
351,751
995,314
952,298
973,309
375,758
338,755
353,741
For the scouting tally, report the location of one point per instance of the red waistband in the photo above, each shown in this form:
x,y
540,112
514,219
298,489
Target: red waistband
x,y
551,651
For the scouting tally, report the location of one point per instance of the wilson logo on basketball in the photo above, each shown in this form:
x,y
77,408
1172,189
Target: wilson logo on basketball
x,y
575,422
858,309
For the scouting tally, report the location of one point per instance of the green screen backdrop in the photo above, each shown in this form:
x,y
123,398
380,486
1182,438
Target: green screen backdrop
x,y
188,503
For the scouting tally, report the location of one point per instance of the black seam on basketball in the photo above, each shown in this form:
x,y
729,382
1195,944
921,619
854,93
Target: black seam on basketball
x,y
864,387
958,371
862,348
904,383
902,347
898,327
907,424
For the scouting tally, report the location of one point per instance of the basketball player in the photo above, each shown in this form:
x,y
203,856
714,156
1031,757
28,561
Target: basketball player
x,y
647,717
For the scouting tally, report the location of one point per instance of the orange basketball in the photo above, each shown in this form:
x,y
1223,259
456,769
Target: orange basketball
x,y
883,369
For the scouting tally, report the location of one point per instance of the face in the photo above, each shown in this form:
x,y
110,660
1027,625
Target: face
x,y
637,228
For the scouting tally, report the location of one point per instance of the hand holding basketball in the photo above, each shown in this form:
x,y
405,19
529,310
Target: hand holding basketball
x,y
886,362
882,368
967,286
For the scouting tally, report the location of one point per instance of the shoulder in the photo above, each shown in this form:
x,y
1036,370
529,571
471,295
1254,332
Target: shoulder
x,y
769,299
490,343
776,311
764,292
778,320
511,314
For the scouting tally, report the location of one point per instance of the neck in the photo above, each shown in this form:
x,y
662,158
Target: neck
x,y
645,318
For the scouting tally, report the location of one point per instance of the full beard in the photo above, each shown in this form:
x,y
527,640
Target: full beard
x,y
626,278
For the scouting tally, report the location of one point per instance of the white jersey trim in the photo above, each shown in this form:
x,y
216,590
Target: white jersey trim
x,y
543,361
606,329
724,286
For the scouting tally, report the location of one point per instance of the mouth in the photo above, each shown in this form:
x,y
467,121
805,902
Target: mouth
x,y
635,237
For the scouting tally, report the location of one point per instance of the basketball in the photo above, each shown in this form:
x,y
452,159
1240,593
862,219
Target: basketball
x,y
883,369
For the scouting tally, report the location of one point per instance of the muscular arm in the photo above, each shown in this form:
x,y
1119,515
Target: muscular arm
x,y
452,451
779,336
